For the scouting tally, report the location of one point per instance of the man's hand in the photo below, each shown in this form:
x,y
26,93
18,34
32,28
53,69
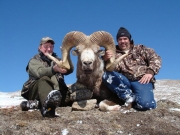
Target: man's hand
x,y
146,78
58,69
108,55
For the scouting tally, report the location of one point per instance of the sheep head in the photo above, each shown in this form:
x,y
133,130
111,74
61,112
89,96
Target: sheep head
x,y
88,57
90,52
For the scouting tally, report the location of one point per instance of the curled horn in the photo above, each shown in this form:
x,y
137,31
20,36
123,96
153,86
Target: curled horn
x,y
105,39
70,40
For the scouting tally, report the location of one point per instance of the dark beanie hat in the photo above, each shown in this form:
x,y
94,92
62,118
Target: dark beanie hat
x,y
123,32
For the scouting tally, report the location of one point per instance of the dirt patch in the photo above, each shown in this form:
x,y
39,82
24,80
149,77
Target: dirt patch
x,y
164,120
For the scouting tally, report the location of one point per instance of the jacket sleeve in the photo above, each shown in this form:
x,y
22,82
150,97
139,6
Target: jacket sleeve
x,y
153,60
38,70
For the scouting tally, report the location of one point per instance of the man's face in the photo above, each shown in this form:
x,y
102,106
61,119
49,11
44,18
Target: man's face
x,y
123,43
46,48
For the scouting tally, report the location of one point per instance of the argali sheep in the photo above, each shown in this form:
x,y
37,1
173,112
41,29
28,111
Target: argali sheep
x,y
90,66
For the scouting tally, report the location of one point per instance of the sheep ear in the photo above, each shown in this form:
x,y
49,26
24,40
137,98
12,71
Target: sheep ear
x,y
74,52
101,53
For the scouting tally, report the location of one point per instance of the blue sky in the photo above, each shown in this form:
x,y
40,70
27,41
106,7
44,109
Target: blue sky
x,y
23,23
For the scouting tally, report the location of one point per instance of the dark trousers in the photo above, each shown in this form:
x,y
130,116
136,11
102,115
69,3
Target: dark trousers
x,y
40,89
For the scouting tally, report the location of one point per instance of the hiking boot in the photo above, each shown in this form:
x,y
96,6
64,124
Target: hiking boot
x,y
30,104
52,101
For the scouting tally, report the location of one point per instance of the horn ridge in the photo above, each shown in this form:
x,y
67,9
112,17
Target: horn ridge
x,y
105,39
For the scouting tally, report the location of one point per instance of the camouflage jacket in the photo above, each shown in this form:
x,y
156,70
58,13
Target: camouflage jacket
x,y
141,60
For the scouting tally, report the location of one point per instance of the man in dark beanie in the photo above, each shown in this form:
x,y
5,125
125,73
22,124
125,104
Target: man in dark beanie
x,y
133,78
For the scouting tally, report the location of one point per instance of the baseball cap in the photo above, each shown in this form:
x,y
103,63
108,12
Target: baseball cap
x,y
46,39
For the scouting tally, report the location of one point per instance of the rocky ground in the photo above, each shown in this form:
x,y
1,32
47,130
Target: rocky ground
x,y
164,120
